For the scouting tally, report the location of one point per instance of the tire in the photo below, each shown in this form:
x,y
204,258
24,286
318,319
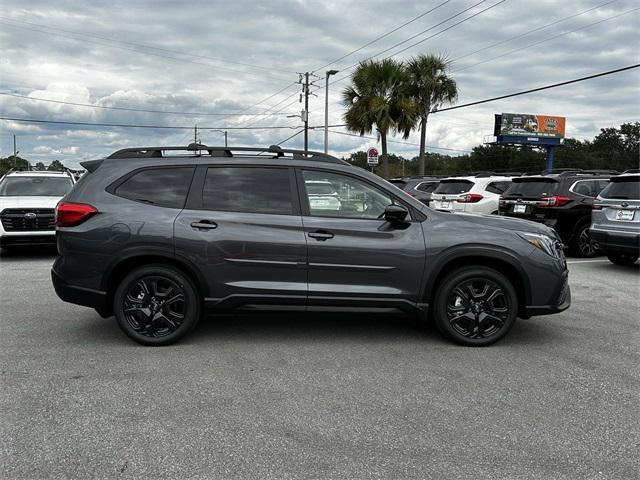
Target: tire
x,y
470,314
156,305
621,258
583,245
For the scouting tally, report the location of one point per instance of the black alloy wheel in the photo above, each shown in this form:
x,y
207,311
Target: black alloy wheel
x,y
585,246
156,305
475,306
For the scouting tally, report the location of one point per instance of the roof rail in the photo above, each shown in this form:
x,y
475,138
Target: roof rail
x,y
483,174
196,148
632,170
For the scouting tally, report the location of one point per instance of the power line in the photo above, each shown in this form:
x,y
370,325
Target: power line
x,y
127,109
384,35
426,38
398,141
545,40
524,92
139,45
174,127
564,19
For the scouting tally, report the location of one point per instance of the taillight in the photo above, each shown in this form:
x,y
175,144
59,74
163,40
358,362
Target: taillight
x,y
501,203
71,214
411,194
596,206
555,201
470,198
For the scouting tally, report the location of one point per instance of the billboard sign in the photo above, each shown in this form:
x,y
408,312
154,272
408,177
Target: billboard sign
x,y
532,126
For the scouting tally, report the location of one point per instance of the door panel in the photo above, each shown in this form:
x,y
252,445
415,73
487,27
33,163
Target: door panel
x,y
247,257
356,258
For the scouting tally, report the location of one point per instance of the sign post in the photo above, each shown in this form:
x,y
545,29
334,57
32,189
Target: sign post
x,y
372,157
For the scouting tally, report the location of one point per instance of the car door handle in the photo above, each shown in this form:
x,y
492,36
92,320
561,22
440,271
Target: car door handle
x,y
204,225
321,235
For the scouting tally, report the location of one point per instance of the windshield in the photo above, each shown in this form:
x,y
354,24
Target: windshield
x,y
320,189
452,187
531,188
35,186
624,189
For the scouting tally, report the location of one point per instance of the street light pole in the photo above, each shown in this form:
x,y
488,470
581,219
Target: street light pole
x,y
326,109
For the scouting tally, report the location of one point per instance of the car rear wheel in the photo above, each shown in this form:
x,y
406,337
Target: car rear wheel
x,y
156,305
584,246
475,306
621,258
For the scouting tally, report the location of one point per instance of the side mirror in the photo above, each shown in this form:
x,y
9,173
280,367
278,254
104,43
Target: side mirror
x,y
395,213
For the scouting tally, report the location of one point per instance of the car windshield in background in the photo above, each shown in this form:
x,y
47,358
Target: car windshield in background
x,y
531,188
452,187
35,186
625,188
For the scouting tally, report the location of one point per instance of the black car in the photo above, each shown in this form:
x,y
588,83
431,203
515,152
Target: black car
x,y
157,235
561,200
418,187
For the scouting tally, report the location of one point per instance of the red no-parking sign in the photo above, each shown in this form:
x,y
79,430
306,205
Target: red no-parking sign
x,y
372,156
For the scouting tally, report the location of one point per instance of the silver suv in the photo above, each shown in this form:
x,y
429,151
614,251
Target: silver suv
x,y
615,219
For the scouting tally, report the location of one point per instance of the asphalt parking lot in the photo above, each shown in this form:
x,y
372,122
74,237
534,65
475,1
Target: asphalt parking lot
x,y
320,396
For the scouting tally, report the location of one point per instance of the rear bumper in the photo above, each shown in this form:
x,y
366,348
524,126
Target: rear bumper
x,y
79,295
610,240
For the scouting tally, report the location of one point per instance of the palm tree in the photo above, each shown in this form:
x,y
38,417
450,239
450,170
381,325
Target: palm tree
x,y
430,87
376,100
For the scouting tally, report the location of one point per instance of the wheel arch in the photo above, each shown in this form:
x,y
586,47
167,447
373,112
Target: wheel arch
x,y
498,259
126,264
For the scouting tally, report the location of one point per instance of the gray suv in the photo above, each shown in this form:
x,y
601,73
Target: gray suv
x,y
155,236
615,219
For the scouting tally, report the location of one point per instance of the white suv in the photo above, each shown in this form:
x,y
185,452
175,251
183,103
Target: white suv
x,y
27,203
477,194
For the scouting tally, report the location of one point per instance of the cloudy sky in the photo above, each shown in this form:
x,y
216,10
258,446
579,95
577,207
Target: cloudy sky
x,y
207,58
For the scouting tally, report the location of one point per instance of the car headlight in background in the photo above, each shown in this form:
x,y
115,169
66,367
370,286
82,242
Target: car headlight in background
x,y
544,242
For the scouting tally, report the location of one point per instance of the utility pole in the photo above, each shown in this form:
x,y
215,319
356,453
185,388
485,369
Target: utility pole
x,y
306,111
15,160
195,134
326,109
225,139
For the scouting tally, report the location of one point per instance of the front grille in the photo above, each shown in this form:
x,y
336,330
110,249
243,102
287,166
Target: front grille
x,y
28,219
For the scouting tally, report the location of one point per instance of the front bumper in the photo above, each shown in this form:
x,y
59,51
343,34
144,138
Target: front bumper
x,y
80,296
10,239
562,302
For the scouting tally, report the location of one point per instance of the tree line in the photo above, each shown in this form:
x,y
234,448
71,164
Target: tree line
x,y
612,149
7,163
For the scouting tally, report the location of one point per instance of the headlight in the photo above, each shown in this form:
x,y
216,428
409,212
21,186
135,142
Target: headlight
x,y
543,242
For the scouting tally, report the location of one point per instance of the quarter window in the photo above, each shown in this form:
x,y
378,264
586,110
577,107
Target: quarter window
x,y
248,189
335,195
165,187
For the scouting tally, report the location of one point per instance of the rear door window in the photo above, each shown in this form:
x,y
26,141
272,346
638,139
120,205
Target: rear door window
x,y
164,187
623,189
453,187
427,187
248,189
531,188
498,187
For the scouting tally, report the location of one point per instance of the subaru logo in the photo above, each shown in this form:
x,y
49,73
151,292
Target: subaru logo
x,y
30,216
625,204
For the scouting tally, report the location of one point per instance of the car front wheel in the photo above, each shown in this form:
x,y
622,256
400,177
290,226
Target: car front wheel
x,y
475,306
156,305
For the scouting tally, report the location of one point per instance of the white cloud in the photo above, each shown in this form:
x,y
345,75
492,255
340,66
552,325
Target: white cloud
x,y
105,67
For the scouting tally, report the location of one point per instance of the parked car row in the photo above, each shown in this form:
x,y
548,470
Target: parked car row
x,y
561,199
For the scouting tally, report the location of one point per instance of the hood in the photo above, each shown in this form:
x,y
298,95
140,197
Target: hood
x,y
28,202
506,223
